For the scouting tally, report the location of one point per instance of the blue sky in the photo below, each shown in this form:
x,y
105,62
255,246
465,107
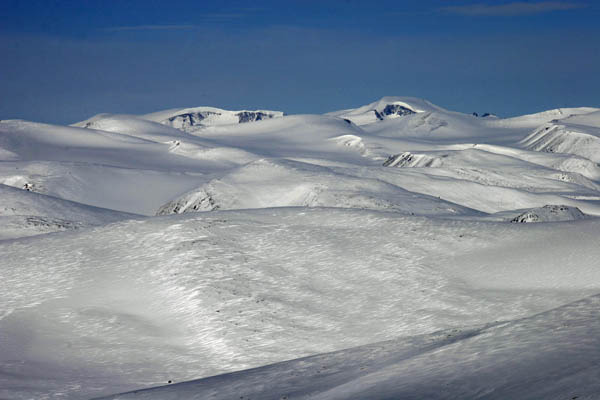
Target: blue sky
x,y
64,61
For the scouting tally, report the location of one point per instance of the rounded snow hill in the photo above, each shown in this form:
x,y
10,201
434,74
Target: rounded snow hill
x,y
194,118
589,119
536,119
429,124
315,137
25,213
386,108
283,183
132,125
23,140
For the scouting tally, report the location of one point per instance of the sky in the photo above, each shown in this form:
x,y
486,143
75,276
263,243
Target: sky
x,y
63,61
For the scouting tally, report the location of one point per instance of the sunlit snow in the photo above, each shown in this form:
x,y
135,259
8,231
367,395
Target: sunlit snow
x,y
395,250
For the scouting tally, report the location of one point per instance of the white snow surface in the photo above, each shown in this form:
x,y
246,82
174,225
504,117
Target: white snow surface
x,y
573,135
389,234
26,213
501,360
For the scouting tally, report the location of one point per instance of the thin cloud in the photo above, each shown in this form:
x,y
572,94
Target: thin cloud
x,y
222,16
214,17
512,9
149,28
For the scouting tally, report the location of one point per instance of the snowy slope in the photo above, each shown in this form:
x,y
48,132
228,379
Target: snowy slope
x,y
568,136
273,183
131,125
314,136
131,165
137,303
34,141
537,119
139,191
25,213
454,364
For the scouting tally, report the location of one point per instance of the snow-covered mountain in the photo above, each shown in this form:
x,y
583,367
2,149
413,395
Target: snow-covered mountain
x,y
386,108
192,119
425,248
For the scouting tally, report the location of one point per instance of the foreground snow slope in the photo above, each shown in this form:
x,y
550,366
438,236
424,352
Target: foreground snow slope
x,y
551,355
138,303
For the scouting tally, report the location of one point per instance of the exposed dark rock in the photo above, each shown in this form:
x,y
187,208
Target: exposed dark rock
x,y
484,115
251,116
397,109
401,159
192,119
392,109
549,213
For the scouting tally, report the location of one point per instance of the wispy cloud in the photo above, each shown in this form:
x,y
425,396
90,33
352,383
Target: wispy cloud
x,y
205,18
222,16
149,28
512,9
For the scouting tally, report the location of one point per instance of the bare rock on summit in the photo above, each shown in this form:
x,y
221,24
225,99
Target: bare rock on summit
x,y
549,213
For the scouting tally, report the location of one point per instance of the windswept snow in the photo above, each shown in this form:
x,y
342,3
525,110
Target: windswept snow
x,y
396,235
195,295
503,360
